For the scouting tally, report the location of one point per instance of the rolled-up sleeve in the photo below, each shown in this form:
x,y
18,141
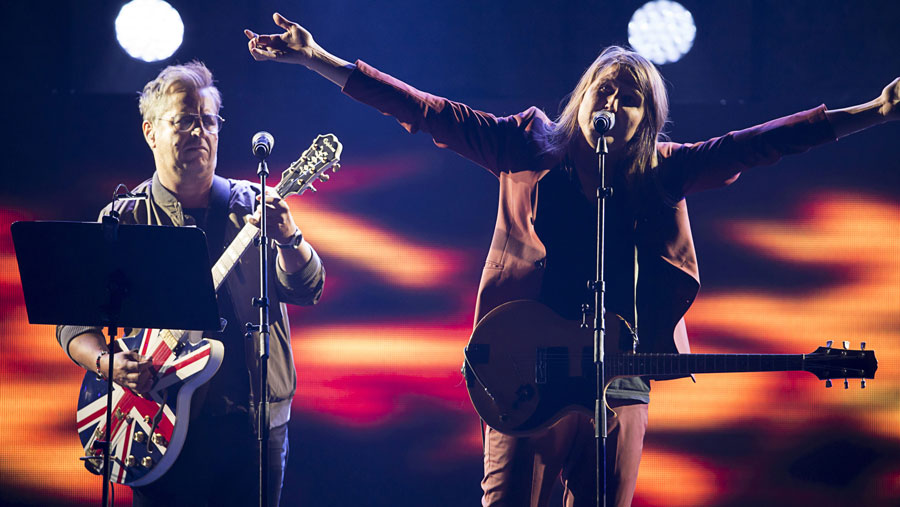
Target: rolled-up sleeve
x,y
65,334
303,287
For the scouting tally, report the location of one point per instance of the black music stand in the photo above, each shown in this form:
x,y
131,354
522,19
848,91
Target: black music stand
x,y
111,275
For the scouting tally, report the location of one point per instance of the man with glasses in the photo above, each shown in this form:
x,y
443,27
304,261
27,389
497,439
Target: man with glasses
x,y
218,463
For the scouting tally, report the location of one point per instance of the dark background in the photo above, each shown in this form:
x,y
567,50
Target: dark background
x,y
72,132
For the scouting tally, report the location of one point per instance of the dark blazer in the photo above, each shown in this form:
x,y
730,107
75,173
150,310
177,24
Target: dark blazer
x,y
511,148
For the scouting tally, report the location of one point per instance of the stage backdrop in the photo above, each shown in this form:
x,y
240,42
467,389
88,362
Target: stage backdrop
x,y
790,255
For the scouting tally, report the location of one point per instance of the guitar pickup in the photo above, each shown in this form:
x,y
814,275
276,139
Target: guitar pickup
x,y
550,363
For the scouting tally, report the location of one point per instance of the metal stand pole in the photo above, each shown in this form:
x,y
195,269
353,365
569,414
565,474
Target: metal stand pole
x,y
599,287
107,469
111,232
262,426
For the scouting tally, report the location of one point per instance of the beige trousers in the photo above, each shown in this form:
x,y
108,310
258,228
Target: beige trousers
x,y
520,471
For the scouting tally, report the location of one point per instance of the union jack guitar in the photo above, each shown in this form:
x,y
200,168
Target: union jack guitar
x,y
148,431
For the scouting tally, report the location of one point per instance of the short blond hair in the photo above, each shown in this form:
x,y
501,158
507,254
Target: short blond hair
x,y
193,76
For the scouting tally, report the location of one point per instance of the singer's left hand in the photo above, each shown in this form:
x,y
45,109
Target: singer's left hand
x,y
280,224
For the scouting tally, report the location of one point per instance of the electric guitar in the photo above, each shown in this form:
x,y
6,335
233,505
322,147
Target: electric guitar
x,y
526,367
148,431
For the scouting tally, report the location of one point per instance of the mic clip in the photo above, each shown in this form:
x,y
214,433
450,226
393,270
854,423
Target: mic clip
x,y
131,196
127,195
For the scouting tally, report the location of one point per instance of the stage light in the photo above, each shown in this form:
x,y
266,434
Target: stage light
x,y
149,30
662,31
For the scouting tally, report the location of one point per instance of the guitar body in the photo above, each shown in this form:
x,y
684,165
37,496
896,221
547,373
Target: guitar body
x,y
148,431
527,367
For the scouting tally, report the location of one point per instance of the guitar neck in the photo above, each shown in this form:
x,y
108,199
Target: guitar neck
x,y
685,364
324,153
231,255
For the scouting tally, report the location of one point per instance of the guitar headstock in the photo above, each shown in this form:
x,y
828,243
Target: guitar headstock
x,y
322,154
829,363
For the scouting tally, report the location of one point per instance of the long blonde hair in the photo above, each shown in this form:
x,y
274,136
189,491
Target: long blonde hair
x,y
641,149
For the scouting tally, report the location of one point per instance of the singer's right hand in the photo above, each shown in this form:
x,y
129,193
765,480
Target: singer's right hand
x,y
295,45
130,369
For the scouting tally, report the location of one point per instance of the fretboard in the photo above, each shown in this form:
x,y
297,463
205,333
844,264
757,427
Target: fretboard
x,y
684,364
231,255
171,337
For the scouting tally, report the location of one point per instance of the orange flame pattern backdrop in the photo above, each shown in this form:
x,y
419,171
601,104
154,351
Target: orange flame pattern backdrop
x,y
791,256
722,441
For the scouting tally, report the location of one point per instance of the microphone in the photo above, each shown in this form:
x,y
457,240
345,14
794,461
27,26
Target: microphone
x,y
262,144
603,121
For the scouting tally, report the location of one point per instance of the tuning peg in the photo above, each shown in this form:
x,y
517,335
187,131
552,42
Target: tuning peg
x,y
846,384
312,188
862,384
324,177
829,343
846,344
335,167
828,383
862,345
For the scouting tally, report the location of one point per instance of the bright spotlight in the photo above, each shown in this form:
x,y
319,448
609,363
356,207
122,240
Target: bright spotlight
x,y
662,31
149,30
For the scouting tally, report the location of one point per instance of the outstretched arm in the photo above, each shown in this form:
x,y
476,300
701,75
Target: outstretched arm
x,y
296,45
496,143
884,108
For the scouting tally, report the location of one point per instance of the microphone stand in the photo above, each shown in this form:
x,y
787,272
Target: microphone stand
x,y
262,302
598,285
105,499
110,226
111,234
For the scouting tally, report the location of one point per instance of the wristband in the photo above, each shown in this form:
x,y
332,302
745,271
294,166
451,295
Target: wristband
x,y
97,363
293,242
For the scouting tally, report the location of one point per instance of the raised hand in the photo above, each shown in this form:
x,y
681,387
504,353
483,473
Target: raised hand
x,y
890,101
885,107
294,45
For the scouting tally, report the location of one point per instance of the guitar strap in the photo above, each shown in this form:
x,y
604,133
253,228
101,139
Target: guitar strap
x,y
634,314
621,262
217,217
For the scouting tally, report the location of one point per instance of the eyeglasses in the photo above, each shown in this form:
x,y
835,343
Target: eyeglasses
x,y
211,123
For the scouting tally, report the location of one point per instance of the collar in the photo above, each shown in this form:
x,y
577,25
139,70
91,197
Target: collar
x,y
167,201
218,198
